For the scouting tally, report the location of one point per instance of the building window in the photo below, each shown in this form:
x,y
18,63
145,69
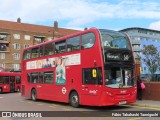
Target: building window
x,y
2,55
16,66
50,38
38,40
26,46
3,47
17,46
16,36
2,37
16,56
27,37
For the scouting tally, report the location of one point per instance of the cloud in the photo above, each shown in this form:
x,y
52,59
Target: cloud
x,y
155,25
77,12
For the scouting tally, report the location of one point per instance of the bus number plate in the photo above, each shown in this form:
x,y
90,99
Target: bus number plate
x,y
122,102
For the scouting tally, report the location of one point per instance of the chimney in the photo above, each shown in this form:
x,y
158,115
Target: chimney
x,y
19,20
55,26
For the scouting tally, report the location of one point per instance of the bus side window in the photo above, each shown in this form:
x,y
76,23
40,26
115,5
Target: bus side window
x,y
92,76
41,51
27,54
29,77
18,79
35,52
1,79
60,47
6,80
41,77
88,40
48,77
48,49
34,77
73,43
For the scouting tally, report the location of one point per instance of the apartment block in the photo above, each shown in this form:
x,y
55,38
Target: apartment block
x,y
15,36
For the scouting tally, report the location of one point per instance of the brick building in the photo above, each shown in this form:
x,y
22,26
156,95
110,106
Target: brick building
x,y
15,36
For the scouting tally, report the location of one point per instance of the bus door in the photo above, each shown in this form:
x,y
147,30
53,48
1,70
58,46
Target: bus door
x,y
12,83
92,81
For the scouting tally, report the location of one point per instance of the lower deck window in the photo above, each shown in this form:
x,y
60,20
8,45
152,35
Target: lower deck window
x,y
92,76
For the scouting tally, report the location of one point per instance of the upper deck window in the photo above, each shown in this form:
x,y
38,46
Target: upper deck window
x,y
35,52
88,40
48,49
114,40
73,43
60,47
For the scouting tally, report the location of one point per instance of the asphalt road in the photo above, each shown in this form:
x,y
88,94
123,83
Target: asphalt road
x,y
14,102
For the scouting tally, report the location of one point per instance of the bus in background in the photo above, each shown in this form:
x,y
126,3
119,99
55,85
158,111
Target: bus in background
x,y
94,67
10,82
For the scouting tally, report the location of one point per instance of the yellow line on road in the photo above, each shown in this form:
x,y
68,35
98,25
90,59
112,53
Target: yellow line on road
x,y
39,104
148,107
22,101
30,102
67,108
52,106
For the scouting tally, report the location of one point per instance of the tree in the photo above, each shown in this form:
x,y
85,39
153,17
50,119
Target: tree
x,y
151,58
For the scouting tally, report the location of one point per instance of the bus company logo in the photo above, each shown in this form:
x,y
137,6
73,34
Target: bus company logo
x,y
64,90
6,114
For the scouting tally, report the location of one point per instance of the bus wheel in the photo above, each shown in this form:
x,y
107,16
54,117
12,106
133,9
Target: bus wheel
x,y
33,95
74,99
0,90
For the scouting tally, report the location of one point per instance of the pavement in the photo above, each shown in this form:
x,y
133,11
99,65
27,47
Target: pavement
x,y
147,103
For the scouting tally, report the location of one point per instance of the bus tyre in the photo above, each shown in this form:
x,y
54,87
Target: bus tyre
x,y
0,90
74,99
33,95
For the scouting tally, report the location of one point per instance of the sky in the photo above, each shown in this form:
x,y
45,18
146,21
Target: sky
x,y
79,14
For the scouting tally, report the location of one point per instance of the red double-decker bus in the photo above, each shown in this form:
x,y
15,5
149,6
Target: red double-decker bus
x,y
10,82
94,67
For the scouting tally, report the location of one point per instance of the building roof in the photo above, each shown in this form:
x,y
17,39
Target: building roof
x,y
34,28
138,28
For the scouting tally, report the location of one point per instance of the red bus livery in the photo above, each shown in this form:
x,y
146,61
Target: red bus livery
x,y
94,67
10,82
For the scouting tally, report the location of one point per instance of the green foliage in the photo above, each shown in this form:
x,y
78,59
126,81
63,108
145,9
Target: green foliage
x,y
151,58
